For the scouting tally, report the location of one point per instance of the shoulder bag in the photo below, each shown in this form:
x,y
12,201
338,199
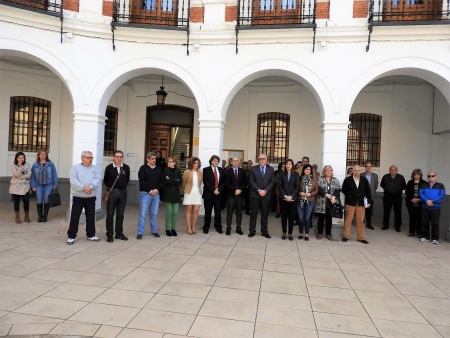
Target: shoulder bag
x,y
108,192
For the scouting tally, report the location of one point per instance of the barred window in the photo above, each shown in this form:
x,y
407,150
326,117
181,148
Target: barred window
x,y
272,136
364,139
29,124
110,138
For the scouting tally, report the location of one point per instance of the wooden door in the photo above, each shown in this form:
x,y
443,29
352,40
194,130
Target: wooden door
x,y
276,12
41,4
154,12
158,139
412,10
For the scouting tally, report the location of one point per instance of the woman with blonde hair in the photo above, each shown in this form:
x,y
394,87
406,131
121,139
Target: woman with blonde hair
x,y
192,187
20,185
171,194
329,190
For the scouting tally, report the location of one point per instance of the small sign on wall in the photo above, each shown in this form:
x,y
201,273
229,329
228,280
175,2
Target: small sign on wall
x,y
196,141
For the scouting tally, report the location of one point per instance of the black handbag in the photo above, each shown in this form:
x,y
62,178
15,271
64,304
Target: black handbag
x,y
336,210
54,199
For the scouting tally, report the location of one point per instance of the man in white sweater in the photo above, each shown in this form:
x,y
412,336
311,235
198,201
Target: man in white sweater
x,y
85,178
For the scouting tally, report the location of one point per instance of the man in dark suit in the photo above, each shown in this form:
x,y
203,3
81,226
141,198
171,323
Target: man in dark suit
x,y
373,182
261,183
235,182
213,186
356,189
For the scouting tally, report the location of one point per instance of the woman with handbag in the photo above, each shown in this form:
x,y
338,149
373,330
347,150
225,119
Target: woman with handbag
x,y
192,187
171,195
329,190
308,192
43,180
20,185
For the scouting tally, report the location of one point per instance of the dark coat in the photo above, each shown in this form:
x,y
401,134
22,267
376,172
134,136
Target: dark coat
x,y
289,188
257,182
208,182
234,183
355,195
409,192
172,182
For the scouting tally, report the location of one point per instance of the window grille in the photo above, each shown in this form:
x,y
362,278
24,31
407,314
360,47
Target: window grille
x,y
110,138
273,136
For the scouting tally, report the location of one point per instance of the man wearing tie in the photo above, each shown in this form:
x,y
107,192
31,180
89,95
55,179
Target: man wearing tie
x,y
261,183
213,185
235,181
373,183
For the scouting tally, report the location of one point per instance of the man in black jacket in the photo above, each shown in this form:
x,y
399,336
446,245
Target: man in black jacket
x,y
117,174
213,188
357,197
236,182
393,185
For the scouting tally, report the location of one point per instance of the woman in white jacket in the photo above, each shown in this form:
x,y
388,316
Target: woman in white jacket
x,y
20,185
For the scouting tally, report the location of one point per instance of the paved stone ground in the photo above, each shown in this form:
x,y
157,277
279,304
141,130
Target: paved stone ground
x,y
218,286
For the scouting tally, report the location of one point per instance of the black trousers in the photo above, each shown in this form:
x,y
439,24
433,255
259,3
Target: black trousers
x,y
211,203
247,200
369,213
116,204
234,203
256,204
396,203
25,199
288,211
415,220
430,216
328,220
78,203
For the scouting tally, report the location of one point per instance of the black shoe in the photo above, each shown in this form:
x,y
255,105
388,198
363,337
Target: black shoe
x,y
283,237
205,231
247,213
122,237
307,239
219,231
363,241
169,233
139,236
155,234
267,235
251,235
300,237
398,229
109,240
290,237
228,233
384,228
370,227
239,231
174,232
344,239
277,216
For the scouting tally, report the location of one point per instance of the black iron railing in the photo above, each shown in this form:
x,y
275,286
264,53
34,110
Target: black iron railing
x,y
269,14
407,12
157,14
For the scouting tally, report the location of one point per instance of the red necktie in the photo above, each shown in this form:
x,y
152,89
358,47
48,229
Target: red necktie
x,y
216,179
236,173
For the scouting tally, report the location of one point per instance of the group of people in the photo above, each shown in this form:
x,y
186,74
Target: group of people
x,y
41,178
298,189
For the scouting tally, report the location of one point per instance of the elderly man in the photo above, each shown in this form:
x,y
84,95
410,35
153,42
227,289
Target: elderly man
x,y
373,182
235,182
393,185
432,194
85,178
356,189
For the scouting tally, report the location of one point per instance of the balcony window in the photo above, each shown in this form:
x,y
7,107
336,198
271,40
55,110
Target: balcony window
x,y
157,12
411,10
51,7
110,137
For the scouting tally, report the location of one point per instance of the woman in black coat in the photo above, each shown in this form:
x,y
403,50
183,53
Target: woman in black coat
x,y
288,184
413,203
171,195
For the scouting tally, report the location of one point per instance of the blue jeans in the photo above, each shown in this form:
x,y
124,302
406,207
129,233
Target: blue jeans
x,y
304,217
148,203
42,192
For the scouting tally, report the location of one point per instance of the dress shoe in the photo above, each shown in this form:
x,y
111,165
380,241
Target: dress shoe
x,y
219,231
306,238
169,233
344,239
247,213
277,216
174,232
139,236
410,235
155,234
363,241
329,237
205,231
251,235
370,227
384,228
122,237
319,236
267,235
290,237
300,237
228,233
239,231
109,240
398,229
283,237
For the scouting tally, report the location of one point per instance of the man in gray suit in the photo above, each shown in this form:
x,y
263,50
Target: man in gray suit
x,y
261,184
373,182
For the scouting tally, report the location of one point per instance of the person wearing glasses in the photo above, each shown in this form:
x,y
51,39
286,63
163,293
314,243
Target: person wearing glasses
x,y
261,183
373,182
151,183
85,179
432,194
117,174
393,185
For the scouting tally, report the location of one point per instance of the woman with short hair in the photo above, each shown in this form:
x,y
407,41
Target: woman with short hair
x,y
20,185
171,194
413,203
192,187
308,192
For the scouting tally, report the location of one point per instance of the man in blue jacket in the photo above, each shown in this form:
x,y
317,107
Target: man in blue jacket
x,y
432,194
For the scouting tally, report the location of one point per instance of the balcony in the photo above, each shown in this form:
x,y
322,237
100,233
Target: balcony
x,y
49,7
159,14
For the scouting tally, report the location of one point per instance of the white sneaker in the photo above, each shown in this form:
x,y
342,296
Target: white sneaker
x,y
423,239
435,241
70,241
95,239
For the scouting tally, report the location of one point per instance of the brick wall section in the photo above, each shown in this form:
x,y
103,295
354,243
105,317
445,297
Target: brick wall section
x,y
322,10
360,8
107,8
230,13
71,5
196,14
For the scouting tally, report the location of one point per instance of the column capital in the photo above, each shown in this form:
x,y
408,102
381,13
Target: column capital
x,y
210,123
89,117
334,125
